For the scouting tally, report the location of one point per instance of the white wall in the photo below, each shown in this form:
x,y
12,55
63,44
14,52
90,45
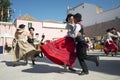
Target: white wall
x,y
87,11
53,25
108,15
90,16
54,30
50,29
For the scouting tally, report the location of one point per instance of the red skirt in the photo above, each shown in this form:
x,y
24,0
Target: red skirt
x,y
61,51
110,47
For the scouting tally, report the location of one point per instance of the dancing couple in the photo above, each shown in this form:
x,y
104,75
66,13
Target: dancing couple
x,y
64,51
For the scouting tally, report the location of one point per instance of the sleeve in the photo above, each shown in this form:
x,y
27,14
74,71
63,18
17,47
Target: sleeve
x,y
66,26
112,35
78,28
118,34
15,35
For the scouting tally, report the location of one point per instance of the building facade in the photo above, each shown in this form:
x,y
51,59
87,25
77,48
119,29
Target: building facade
x,y
51,29
92,14
7,30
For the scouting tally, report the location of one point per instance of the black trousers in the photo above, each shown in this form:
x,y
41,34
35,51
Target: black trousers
x,y
81,51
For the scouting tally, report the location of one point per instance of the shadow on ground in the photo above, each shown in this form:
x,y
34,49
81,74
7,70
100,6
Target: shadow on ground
x,y
111,67
12,64
43,68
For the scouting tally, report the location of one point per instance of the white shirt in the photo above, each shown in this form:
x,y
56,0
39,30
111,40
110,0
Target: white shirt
x,y
108,37
78,28
36,41
73,30
118,33
70,28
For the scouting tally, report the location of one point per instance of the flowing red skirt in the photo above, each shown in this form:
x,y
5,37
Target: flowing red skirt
x,y
110,47
60,51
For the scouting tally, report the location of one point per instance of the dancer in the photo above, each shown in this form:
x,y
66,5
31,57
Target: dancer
x,y
22,48
42,42
116,40
81,46
61,51
110,45
70,33
31,39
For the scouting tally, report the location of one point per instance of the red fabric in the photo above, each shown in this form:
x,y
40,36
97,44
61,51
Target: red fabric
x,y
60,51
110,47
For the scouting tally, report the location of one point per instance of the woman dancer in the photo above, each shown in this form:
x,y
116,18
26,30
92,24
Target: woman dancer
x,y
22,48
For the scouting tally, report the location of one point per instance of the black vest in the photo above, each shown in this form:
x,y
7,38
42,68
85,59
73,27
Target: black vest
x,y
80,39
81,30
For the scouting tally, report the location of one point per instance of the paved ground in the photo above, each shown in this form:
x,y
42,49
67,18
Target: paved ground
x,y
44,69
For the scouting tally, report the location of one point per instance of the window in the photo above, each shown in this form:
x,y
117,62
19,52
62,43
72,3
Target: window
x,y
82,6
29,25
61,30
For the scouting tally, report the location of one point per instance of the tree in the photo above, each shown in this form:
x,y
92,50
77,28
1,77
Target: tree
x,y
5,10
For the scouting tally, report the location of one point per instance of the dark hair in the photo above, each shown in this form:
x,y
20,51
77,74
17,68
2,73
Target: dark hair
x,y
21,26
68,16
31,28
108,30
77,17
43,36
113,28
37,34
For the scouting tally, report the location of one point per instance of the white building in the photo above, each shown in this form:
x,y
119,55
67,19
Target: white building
x,y
92,14
51,29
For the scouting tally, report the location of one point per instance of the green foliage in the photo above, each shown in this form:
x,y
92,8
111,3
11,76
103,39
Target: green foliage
x,y
5,10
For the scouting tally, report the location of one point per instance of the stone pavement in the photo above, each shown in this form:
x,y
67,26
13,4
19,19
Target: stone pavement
x,y
44,69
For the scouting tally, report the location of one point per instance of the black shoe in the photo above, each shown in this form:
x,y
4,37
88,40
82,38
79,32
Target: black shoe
x,y
111,54
26,62
106,54
65,66
71,69
40,56
14,65
97,61
33,62
84,73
